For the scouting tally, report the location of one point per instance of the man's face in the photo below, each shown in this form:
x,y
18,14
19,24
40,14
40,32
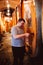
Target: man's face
x,y
22,24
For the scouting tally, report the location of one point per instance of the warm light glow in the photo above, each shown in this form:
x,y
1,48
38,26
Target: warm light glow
x,y
8,19
27,10
34,2
17,14
8,13
7,1
8,10
8,5
2,25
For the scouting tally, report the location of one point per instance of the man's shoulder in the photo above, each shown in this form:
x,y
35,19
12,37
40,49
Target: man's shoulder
x,y
14,27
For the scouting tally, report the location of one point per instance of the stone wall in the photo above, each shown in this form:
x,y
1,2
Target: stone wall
x,y
38,4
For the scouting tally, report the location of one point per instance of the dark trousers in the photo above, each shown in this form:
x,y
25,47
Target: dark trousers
x,y
18,53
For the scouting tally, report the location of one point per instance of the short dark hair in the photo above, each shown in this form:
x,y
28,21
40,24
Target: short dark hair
x,y
21,19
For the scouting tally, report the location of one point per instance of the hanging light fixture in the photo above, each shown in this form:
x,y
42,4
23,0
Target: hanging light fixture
x,y
8,10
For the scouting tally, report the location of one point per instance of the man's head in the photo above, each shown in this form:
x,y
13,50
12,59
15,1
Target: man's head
x,y
21,22
21,19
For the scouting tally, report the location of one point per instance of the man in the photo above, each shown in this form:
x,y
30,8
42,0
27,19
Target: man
x,y
18,38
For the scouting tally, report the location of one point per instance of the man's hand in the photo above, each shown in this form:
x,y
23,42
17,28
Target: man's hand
x,y
27,34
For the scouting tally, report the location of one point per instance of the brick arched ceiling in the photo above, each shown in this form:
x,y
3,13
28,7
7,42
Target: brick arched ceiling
x,y
13,3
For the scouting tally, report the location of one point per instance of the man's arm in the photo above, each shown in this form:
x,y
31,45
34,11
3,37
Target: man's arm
x,y
21,35
15,34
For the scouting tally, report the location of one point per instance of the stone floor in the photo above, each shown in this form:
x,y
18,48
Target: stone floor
x,y
6,56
